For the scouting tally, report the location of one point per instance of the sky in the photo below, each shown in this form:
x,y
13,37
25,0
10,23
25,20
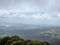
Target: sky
x,y
37,12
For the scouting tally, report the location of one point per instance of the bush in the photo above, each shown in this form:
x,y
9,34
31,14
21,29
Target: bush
x,y
11,40
17,43
46,43
36,42
15,37
4,40
27,41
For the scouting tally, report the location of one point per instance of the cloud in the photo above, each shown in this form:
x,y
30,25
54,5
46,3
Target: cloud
x,y
41,16
37,11
30,5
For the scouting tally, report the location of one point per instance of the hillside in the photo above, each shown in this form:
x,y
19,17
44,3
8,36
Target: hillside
x,y
15,40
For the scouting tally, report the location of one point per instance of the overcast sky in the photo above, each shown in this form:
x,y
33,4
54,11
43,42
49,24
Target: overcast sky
x,y
30,12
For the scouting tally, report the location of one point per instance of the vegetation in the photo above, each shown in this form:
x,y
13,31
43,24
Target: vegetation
x,y
51,33
15,40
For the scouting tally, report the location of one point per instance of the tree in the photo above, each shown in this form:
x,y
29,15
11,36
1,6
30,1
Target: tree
x,y
0,40
15,37
11,40
36,42
4,40
46,43
26,41
29,43
17,43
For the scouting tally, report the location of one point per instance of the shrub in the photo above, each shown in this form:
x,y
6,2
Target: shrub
x,y
17,43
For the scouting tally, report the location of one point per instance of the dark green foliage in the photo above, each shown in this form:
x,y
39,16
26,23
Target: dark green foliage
x,y
27,41
15,40
10,41
4,40
0,40
36,42
15,37
46,43
17,43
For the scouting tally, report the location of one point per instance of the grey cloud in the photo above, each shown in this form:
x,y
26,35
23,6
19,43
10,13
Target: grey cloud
x,y
48,10
20,4
47,5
